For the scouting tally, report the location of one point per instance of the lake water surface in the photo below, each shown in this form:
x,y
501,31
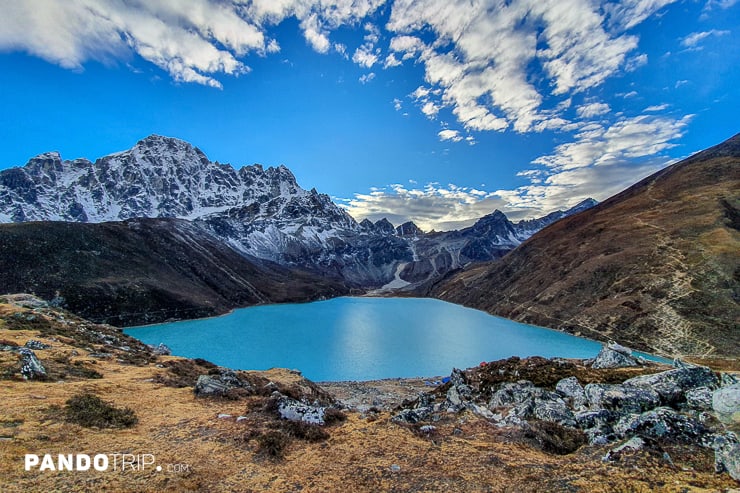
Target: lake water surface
x,y
361,338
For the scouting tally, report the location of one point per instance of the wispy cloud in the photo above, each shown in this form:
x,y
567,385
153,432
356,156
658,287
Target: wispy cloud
x,y
602,160
693,39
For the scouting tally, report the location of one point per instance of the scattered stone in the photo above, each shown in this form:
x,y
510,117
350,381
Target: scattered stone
x,y
34,344
671,385
239,419
623,398
726,402
395,468
224,416
101,355
614,355
161,349
634,444
31,367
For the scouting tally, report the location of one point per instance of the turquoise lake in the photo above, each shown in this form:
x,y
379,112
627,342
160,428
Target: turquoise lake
x,y
361,338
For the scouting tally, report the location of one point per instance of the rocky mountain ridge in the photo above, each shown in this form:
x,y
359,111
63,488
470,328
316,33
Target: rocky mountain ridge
x,y
259,212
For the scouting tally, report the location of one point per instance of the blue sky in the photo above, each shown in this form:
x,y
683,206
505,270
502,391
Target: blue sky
x,y
438,111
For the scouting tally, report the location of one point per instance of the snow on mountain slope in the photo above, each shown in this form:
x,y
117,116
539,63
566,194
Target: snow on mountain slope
x,y
260,212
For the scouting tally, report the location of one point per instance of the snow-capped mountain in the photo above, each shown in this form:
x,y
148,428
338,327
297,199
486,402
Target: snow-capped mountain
x,y
259,212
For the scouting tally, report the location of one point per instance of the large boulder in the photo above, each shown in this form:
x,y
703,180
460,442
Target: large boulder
x,y
614,355
222,384
554,410
294,410
672,385
727,455
726,402
662,422
31,367
621,398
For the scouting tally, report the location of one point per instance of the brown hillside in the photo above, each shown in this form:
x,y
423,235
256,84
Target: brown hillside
x,y
144,271
656,267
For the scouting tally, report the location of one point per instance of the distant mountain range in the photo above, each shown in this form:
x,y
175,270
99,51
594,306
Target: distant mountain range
x,y
656,266
260,213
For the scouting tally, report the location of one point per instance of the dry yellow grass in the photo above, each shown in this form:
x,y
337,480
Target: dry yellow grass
x,y
362,454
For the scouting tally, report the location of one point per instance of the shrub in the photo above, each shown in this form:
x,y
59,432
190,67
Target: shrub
x,y
273,443
333,415
305,431
89,410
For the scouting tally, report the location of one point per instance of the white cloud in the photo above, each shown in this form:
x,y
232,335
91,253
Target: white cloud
x,y
693,39
397,104
447,134
483,53
430,109
592,109
365,78
391,61
365,57
193,44
636,62
655,108
626,139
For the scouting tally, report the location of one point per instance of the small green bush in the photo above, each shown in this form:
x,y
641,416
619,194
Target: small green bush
x,y
89,410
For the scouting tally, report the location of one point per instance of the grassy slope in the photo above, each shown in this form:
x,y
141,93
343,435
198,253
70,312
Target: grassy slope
x,y
656,267
465,453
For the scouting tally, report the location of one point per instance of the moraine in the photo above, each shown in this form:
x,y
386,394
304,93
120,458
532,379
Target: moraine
x,y
361,338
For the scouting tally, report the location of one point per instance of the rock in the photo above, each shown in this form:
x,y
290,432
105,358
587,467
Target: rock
x,y
224,416
634,444
671,385
34,344
161,350
482,411
591,419
395,468
662,422
210,386
621,398
727,379
554,410
699,399
412,416
31,367
726,402
727,455
512,394
572,390
294,410
614,356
